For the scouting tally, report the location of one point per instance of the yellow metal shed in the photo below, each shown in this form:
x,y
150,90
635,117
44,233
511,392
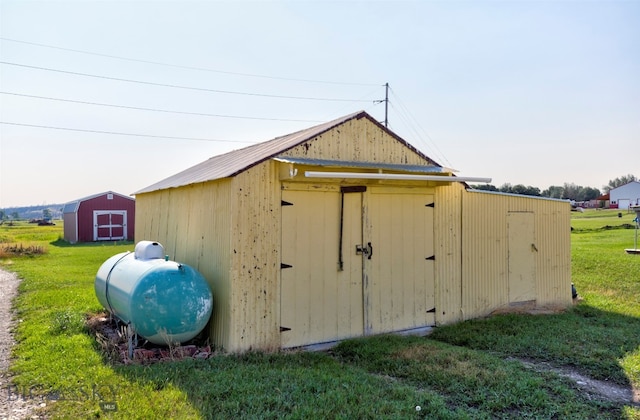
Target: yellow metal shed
x,y
344,230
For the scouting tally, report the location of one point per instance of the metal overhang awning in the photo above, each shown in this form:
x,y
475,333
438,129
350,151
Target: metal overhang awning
x,y
388,176
327,163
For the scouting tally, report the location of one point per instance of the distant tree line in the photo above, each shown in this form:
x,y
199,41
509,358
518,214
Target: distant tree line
x,y
5,216
568,191
615,183
31,212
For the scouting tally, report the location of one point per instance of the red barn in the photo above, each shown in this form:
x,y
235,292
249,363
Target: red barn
x,y
108,216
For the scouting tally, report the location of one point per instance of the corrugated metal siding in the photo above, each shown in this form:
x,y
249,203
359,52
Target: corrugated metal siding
x,y
400,284
448,251
320,302
147,215
485,256
553,231
194,225
255,272
360,141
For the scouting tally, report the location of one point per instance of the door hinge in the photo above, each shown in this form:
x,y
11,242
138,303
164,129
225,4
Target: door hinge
x,y
283,265
283,329
432,205
431,258
285,203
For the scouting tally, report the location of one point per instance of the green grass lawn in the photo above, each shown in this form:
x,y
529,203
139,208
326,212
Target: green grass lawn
x,y
469,370
591,220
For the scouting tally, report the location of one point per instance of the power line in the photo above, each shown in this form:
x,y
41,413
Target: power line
x,y
154,109
431,151
341,111
181,86
419,140
122,134
186,67
439,154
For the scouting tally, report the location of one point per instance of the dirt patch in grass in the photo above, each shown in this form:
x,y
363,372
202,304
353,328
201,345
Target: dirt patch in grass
x,y
532,308
592,387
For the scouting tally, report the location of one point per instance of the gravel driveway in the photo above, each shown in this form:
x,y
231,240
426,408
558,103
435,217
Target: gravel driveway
x,y
11,405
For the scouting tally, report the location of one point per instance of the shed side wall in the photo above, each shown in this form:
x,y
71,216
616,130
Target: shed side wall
x,y
485,251
70,227
193,223
255,255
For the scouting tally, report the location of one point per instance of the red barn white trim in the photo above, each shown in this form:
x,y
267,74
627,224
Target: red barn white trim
x,y
107,216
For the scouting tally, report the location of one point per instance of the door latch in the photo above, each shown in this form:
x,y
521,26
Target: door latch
x,y
366,250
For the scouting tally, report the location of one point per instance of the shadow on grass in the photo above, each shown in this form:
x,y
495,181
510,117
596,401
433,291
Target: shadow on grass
x,y
65,244
279,385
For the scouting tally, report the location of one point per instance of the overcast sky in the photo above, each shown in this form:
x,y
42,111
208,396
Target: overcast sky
x,y
534,93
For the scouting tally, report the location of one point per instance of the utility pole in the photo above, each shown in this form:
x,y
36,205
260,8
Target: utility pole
x,y
386,104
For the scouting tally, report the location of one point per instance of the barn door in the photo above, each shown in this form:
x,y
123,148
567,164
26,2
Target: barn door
x,y
357,261
399,276
109,225
321,287
522,257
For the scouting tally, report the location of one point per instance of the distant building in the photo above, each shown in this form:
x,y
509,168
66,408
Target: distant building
x,y
603,201
625,195
107,216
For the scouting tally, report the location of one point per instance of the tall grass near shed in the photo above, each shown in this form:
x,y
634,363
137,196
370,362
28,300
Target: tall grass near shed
x,y
21,238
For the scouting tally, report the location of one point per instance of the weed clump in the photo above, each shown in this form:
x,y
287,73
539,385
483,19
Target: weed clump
x,y
67,322
20,249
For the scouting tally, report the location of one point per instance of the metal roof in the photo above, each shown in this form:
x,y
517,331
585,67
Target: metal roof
x,y
237,161
72,206
472,190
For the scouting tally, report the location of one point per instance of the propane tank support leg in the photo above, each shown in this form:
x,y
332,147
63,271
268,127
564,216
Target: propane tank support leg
x,y
131,337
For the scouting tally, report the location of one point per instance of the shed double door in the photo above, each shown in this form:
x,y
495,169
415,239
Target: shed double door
x,y
355,261
109,225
